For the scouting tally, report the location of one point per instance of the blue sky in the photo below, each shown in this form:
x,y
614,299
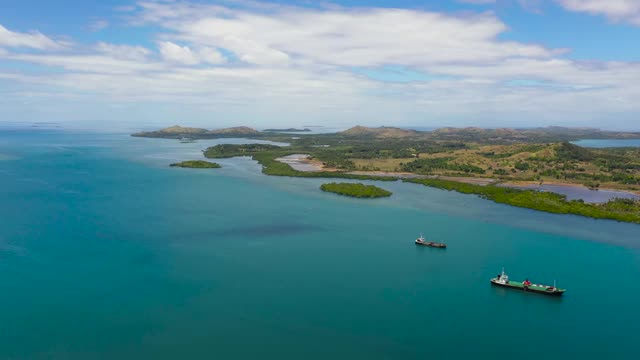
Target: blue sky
x,y
121,64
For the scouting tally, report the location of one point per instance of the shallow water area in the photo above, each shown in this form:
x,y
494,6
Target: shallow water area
x,y
582,193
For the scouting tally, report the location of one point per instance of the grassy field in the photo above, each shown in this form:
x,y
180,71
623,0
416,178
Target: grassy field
x,y
532,163
381,164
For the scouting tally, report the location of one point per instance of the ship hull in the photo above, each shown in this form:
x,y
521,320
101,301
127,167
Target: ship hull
x,y
533,288
433,245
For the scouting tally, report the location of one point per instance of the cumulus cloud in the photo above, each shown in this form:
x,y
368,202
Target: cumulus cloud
x,y
34,40
296,62
367,37
91,63
183,55
127,52
616,10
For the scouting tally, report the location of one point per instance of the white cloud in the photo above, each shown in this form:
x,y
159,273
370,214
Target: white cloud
x,y
367,37
183,55
211,56
616,10
34,40
297,63
92,63
98,25
127,52
177,54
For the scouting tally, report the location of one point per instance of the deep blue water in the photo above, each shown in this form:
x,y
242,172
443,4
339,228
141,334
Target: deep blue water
x,y
603,143
106,252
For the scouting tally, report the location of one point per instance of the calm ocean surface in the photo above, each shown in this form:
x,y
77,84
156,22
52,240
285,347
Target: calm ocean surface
x,y
107,253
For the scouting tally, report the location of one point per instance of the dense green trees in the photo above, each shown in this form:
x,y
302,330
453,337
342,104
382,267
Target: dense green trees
x,y
522,166
197,164
618,209
355,190
233,150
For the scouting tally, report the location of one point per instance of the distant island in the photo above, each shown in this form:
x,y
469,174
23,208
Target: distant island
x,y
178,132
496,164
197,164
287,130
469,134
355,190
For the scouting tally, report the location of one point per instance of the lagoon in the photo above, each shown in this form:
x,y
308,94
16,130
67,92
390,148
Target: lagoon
x,y
106,252
577,192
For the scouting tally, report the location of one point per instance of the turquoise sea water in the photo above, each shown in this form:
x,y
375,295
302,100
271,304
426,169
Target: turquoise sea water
x,y
107,253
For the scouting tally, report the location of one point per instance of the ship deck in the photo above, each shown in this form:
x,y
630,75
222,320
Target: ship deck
x,y
532,287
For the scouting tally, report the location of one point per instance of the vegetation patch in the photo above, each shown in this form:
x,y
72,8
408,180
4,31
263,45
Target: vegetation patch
x,y
355,190
618,209
197,164
428,166
231,150
271,166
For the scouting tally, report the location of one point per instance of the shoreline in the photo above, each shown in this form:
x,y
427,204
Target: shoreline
x,y
530,184
617,208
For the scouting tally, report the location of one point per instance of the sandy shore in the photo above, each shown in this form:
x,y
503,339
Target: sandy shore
x,y
303,162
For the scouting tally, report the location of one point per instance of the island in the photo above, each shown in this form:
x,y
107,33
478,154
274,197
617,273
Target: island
x,y
355,190
502,165
179,132
185,132
197,164
287,130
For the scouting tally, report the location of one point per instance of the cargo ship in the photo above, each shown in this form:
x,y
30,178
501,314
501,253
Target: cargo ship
x,y
503,280
421,241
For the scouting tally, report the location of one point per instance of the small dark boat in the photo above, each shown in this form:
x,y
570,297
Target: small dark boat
x,y
503,280
421,241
